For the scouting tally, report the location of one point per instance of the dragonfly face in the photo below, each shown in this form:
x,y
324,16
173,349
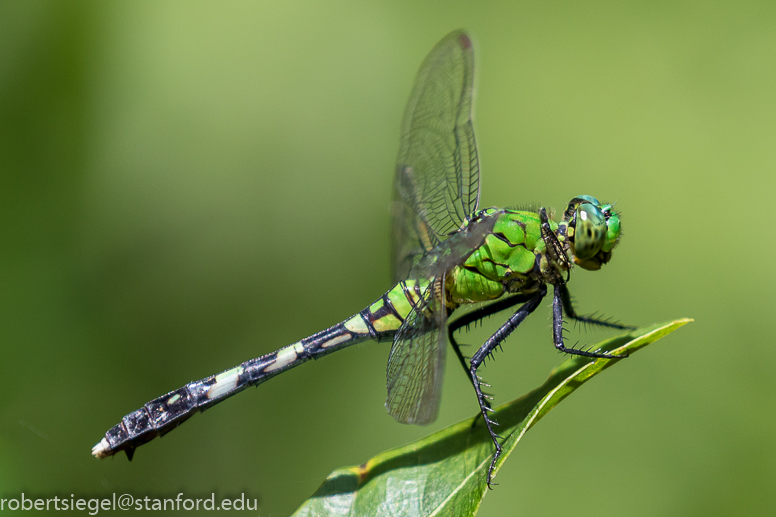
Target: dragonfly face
x,y
594,230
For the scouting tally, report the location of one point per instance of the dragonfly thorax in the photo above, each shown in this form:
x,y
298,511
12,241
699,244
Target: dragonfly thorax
x,y
518,256
513,259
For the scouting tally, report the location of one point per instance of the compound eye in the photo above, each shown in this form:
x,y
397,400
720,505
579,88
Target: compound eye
x,y
590,231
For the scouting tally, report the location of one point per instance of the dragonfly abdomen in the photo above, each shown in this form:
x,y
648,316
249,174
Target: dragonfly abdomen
x,y
378,322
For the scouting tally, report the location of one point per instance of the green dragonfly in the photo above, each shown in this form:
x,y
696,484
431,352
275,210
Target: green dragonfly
x,y
446,254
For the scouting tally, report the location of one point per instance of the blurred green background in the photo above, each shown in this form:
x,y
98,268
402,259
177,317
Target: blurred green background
x,y
187,185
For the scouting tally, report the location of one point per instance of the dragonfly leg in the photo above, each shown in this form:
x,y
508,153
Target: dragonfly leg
x,y
478,315
479,356
557,331
568,308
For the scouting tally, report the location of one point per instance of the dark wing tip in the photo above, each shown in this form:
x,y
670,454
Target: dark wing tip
x,y
465,40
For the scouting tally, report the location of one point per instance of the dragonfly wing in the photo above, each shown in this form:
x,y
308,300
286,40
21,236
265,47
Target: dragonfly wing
x,y
417,361
457,248
437,179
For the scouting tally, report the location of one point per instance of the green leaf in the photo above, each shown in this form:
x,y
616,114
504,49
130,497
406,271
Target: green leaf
x,y
444,474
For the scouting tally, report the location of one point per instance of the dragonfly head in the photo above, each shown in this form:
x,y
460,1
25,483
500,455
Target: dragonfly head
x,y
593,231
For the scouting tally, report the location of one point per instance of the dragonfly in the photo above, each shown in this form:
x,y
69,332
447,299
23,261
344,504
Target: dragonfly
x,y
447,254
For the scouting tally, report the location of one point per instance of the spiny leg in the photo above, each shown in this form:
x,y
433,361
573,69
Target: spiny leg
x,y
479,356
555,252
557,331
568,308
478,315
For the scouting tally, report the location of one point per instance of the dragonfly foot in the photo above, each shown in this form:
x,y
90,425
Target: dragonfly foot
x,y
585,353
496,456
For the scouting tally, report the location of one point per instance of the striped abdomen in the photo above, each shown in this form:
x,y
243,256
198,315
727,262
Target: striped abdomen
x,y
378,322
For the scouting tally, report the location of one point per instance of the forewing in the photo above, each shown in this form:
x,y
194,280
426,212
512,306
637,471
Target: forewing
x,y
417,361
437,179
457,248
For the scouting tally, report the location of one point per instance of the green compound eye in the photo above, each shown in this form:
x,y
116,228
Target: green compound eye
x,y
612,228
590,233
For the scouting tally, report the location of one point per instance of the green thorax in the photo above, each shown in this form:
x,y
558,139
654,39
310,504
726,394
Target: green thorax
x,y
512,259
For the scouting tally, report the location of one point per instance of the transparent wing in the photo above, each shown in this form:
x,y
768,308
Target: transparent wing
x,y
417,360
437,179
416,363
456,249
